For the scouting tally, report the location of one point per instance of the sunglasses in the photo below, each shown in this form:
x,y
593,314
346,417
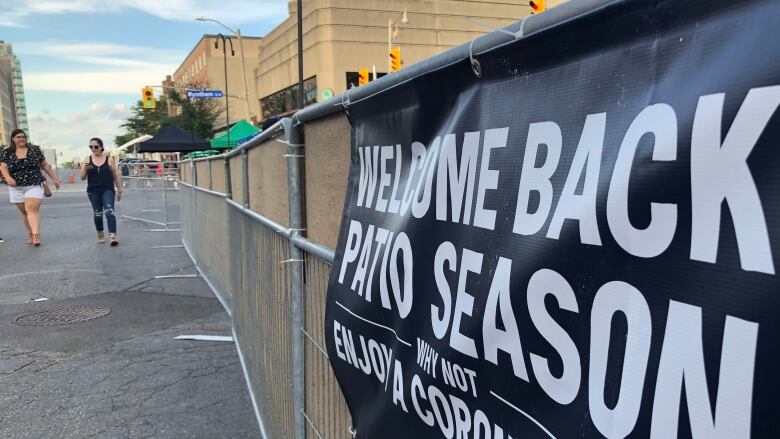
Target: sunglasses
x,y
94,146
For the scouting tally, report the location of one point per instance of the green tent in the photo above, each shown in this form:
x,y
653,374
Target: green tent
x,y
239,131
199,154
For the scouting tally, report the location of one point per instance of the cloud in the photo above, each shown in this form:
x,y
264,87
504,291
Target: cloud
x,y
98,53
112,81
109,68
119,112
78,117
229,11
71,133
11,20
36,117
56,6
97,107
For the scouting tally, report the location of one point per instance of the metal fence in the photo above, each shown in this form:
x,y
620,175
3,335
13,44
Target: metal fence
x,y
155,189
271,278
272,281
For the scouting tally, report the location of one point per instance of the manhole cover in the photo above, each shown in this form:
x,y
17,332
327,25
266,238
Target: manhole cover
x,y
64,316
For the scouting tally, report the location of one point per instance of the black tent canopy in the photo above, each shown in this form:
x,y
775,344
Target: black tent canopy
x,y
171,138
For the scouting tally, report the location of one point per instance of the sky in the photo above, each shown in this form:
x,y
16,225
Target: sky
x,y
84,62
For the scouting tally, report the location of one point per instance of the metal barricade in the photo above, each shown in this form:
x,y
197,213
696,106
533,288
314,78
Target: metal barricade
x,y
272,281
150,194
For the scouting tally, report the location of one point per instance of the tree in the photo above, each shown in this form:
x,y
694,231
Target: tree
x,y
147,121
143,121
123,138
197,116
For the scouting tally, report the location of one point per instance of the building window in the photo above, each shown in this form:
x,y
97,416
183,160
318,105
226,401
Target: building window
x,y
352,78
286,100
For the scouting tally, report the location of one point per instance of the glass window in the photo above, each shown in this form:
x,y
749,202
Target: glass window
x,y
352,78
286,100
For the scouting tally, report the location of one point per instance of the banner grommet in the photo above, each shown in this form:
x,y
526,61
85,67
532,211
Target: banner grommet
x,y
476,67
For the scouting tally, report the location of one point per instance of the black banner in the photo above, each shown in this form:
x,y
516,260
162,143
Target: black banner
x,y
583,242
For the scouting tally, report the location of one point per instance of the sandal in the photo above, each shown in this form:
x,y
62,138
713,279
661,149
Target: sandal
x,y
114,242
29,238
36,239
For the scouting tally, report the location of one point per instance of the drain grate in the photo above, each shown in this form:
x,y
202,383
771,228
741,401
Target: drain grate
x,y
64,316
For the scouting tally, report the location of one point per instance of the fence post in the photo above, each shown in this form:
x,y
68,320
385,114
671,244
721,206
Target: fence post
x,y
211,185
228,180
295,199
164,197
194,173
245,176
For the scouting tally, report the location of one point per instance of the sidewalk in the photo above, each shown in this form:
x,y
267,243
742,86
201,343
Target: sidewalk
x,y
122,375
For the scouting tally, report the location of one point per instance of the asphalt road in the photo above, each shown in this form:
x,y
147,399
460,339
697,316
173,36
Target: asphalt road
x,y
122,375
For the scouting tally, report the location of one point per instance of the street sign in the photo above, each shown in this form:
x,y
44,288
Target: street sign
x,y
204,94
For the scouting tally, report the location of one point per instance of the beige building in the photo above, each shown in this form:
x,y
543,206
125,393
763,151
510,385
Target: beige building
x,y
205,64
342,36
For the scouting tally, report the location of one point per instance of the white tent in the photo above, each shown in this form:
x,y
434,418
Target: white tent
x,y
123,148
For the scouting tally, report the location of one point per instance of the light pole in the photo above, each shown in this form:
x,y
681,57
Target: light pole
x,y
237,33
391,34
301,100
227,100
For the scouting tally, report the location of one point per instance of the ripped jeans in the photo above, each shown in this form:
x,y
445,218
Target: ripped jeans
x,y
102,200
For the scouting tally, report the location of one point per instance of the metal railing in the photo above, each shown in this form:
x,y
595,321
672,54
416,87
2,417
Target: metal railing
x,y
273,281
156,186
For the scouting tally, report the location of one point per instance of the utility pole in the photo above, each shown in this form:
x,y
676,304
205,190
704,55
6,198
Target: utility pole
x,y
227,100
237,33
390,22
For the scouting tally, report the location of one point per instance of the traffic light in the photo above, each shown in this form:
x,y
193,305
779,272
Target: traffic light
x,y
537,6
147,98
395,59
362,76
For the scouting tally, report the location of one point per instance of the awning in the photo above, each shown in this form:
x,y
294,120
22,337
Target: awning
x,y
239,131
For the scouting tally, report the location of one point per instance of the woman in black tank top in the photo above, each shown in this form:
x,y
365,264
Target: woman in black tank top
x,y
100,173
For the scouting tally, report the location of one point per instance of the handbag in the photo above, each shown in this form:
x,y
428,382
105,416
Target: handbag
x,y
46,190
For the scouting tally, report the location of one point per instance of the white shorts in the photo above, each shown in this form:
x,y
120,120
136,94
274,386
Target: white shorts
x,y
19,193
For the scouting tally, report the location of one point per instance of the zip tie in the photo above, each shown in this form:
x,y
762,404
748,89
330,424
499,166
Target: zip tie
x,y
292,155
519,34
291,260
476,67
491,27
345,103
287,142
